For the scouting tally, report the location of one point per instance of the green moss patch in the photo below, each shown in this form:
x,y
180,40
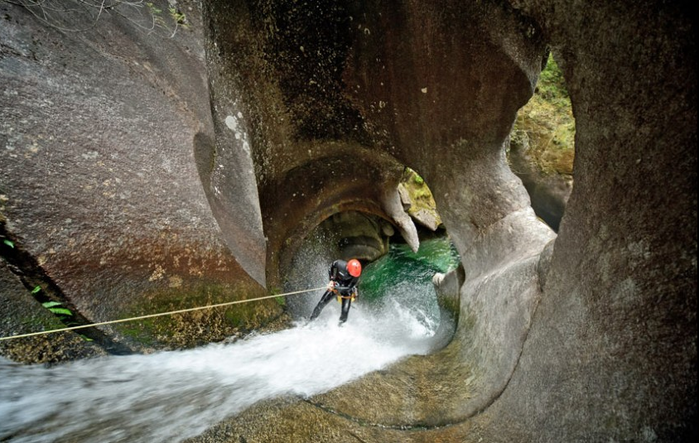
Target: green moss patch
x,y
420,194
547,123
201,326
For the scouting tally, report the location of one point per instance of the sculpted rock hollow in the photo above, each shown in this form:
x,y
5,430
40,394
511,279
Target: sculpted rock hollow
x,y
137,169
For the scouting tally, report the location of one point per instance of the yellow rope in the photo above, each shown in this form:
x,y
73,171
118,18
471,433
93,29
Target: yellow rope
x,y
180,311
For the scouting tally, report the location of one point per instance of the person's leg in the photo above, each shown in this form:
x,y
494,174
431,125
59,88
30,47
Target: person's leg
x,y
346,303
324,300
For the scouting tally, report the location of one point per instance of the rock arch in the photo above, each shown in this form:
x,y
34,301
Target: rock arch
x,y
588,335
437,88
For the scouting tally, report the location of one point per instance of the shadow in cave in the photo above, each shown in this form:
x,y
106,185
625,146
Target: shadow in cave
x,y
418,286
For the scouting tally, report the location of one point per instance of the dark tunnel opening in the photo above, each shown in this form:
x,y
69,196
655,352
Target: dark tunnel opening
x,y
396,279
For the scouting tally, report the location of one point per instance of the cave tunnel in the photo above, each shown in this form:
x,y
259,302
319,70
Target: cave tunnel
x,y
437,88
267,118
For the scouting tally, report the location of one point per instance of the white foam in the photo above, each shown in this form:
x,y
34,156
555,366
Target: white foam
x,y
170,396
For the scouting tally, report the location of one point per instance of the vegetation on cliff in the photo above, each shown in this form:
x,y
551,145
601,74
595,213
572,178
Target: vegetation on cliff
x,y
546,124
418,201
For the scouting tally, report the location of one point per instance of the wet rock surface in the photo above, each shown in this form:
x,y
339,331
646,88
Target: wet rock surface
x,y
210,187
23,315
549,192
99,123
440,98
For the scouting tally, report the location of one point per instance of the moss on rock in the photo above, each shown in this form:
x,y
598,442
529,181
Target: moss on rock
x,y
417,200
547,125
201,326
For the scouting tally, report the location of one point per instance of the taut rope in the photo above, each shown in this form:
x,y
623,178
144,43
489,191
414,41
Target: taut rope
x,y
179,311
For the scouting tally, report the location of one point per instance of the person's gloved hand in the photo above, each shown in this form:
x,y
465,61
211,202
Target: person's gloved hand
x,y
331,285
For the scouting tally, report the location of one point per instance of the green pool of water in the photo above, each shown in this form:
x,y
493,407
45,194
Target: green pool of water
x,y
405,277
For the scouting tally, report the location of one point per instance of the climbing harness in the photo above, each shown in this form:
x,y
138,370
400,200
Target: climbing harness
x,y
341,297
352,297
142,317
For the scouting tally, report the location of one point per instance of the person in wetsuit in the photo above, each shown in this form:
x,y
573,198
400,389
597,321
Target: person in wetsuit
x,y
343,283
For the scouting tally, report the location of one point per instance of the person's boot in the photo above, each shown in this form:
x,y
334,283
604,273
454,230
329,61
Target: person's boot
x,y
343,317
316,312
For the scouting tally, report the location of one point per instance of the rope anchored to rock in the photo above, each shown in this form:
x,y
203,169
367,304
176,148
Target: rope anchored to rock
x,y
160,314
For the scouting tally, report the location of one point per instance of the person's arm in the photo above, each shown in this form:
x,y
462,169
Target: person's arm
x,y
350,285
354,291
332,276
332,272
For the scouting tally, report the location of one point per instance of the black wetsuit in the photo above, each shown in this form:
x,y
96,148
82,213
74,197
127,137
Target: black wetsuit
x,y
345,285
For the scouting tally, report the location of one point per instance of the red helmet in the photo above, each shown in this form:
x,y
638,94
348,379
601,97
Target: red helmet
x,y
354,267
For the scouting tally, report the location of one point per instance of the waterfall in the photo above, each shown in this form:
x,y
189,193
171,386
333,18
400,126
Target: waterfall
x,y
171,396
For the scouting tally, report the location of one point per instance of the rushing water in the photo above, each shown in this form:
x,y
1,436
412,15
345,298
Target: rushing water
x,y
169,396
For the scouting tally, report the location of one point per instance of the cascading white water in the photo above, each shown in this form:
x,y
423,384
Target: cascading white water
x,y
169,396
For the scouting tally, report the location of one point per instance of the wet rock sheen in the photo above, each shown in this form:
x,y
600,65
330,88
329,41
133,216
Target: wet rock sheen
x,y
150,171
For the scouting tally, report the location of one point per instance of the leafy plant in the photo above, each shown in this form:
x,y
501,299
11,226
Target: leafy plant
x,y
178,16
55,308
154,9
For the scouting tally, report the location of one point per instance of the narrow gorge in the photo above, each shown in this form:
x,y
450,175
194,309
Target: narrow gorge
x,y
160,156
